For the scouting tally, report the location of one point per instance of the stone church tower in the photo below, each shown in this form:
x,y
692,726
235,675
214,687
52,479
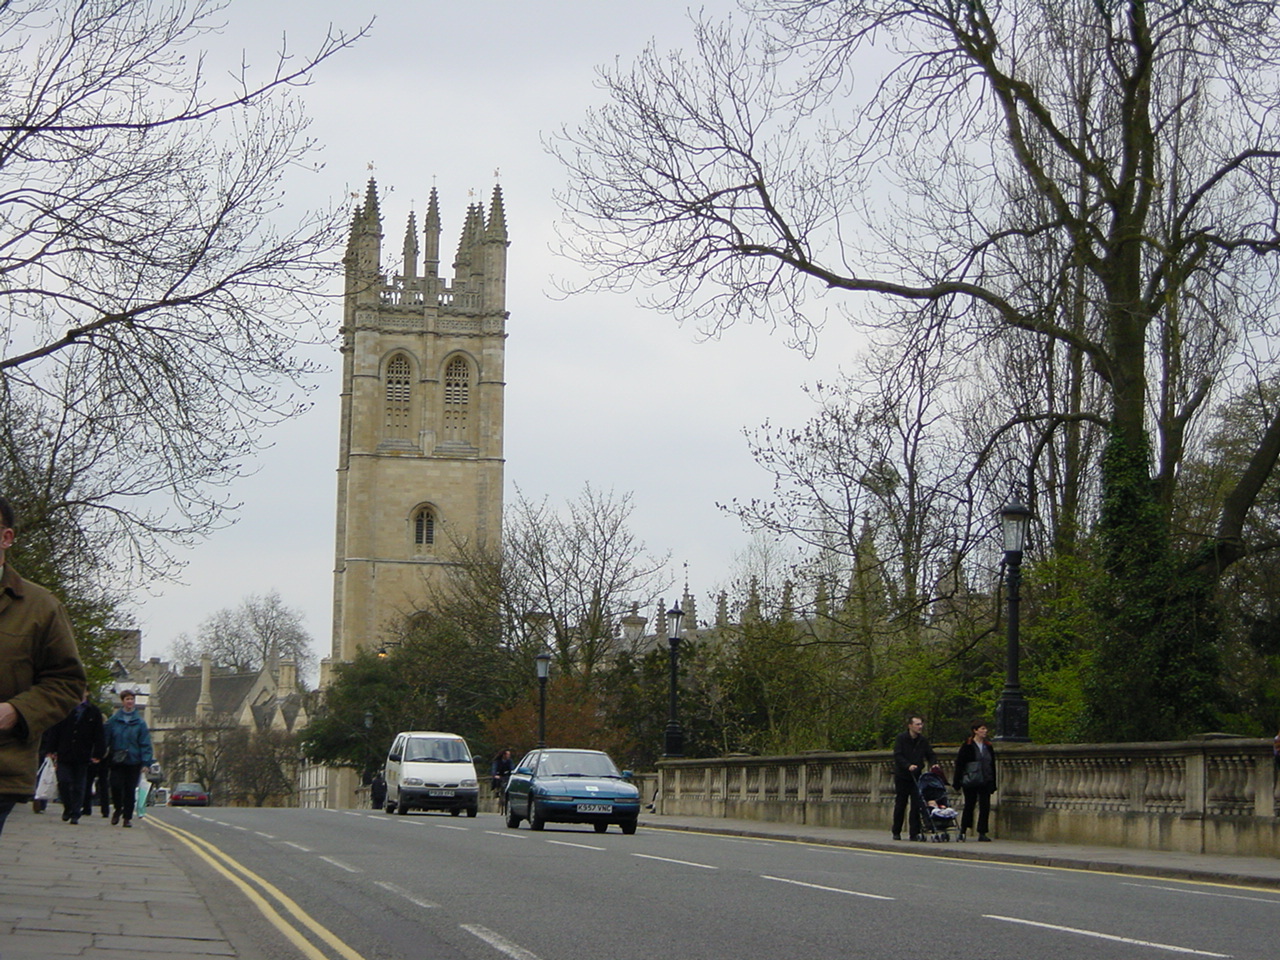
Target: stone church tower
x,y
420,465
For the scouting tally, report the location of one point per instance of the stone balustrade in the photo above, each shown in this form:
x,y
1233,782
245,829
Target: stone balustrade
x,y
1211,795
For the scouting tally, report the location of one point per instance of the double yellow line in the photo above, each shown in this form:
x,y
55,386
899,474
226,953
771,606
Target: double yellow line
x,y
245,881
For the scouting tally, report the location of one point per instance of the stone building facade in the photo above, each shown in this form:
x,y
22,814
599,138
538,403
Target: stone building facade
x,y
420,463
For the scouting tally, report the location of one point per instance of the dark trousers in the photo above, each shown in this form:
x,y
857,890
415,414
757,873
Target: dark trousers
x,y
904,796
980,796
98,776
71,777
124,788
7,803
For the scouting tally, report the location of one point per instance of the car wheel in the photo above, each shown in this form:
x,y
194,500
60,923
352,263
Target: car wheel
x,y
401,807
513,818
472,811
455,811
536,821
601,827
628,827
389,807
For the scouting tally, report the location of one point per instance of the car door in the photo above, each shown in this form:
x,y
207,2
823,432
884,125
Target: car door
x,y
520,785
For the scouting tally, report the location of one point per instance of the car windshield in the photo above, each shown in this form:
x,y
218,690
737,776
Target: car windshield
x,y
188,788
441,751
577,765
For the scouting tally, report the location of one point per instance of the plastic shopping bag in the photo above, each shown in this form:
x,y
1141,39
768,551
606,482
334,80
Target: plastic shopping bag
x,y
144,789
47,781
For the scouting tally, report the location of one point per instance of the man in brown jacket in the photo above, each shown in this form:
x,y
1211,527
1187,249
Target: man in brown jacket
x,y
41,676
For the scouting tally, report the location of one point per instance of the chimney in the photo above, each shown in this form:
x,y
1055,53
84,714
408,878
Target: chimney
x,y
288,682
204,706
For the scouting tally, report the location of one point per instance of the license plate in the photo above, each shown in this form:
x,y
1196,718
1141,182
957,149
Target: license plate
x,y
595,808
439,793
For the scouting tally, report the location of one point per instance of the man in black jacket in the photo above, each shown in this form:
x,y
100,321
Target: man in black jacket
x,y
76,743
911,754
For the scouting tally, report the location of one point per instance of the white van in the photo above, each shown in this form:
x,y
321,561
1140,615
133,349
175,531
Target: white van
x,y
431,771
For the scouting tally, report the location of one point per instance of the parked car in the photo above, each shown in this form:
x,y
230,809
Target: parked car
x,y
431,771
572,786
188,795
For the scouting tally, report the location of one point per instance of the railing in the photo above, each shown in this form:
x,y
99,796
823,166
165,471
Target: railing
x,y
1213,795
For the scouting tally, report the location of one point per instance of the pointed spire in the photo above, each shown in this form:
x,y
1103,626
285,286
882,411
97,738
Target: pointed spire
x,y
496,229
411,247
431,237
371,212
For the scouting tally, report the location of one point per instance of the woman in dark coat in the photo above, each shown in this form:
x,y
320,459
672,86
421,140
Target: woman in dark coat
x,y
976,776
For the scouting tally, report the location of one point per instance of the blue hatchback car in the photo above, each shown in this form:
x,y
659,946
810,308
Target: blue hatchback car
x,y
571,786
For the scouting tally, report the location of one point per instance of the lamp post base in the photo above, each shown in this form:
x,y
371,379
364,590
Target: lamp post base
x,y
1012,716
673,744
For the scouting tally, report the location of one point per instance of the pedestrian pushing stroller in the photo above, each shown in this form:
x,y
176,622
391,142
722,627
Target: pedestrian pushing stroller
x,y
937,815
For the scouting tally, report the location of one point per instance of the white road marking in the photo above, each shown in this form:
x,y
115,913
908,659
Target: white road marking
x,y
510,835
498,942
818,886
1207,893
1106,936
342,866
234,827
580,846
754,843
683,863
296,846
849,853
269,836
448,826
354,813
952,861
402,892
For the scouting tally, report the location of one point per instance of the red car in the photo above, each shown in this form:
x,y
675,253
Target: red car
x,y
188,795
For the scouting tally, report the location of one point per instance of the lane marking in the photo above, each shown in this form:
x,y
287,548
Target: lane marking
x,y
1105,936
849,853
580,846
402,892
754,843
297,846
498,942
1205,893
987,866
353,813
818,886
683,863
269,836
449,826
213,855
342,866
235,827
510,835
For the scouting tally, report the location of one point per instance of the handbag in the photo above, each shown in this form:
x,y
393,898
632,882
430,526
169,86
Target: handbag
x,y
46,781
972,776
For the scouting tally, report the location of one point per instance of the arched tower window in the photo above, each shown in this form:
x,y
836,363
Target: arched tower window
x,y
457,401
424,528
399,397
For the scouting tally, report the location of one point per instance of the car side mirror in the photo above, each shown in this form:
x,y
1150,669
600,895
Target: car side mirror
x,y
524,771
393,756
626,774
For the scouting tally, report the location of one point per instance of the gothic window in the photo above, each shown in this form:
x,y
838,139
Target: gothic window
x,y
457,401
399,398
424,528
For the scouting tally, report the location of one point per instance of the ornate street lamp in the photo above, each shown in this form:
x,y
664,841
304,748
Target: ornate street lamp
x,y
1012,714
543,662
674,743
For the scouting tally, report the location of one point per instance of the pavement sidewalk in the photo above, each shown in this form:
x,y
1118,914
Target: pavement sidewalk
x,y
90,890
101,892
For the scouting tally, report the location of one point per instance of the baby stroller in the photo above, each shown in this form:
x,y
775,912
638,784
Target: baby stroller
x,y
936,813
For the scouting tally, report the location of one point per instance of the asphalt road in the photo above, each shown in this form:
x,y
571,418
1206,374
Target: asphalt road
x,y
441,887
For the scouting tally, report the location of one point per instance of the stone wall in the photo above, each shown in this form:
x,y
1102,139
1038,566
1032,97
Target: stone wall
x,y
1211,796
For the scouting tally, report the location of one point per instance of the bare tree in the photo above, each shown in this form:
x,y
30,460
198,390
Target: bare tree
x,y
1124,151
258,631
151,298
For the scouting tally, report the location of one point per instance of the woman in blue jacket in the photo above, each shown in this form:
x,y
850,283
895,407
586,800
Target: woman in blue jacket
x,y
129,747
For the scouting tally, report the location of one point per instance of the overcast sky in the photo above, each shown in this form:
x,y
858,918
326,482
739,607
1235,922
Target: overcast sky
x,y
598,389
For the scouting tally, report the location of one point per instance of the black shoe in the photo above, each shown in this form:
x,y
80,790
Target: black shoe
x,y
115,818
983,838
897,836
66,817
73,821
105,814
128,823
917,837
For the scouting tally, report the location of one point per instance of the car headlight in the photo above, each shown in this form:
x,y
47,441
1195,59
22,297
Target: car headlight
x,y
467,783
412,781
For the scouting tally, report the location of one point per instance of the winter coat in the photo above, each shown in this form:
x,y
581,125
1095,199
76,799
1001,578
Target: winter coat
x,y
40,674
967,754
129,732
79,737
909,751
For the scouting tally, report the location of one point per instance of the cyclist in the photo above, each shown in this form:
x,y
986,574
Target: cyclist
x,y
501,772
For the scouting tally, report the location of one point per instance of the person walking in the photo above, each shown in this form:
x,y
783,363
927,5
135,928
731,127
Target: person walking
x,y
97,785
77,744
499,774
129,745
378,791
911,754
41,676
976,776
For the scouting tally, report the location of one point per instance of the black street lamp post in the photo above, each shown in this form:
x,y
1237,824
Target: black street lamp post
x,y
674,744
1012,713
543,662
